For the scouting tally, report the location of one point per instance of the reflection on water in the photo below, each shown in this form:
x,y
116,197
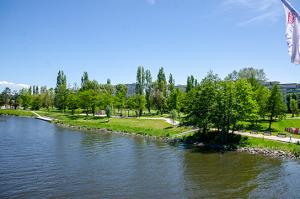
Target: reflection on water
x,y
40,160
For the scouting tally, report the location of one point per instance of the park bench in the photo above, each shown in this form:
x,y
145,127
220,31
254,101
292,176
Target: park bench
x,y
254,132
281,135
267,133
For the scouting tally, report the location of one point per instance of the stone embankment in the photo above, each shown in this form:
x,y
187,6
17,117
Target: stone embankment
x,y
267,152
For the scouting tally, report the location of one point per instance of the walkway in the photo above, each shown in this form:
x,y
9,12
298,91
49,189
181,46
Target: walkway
x,y
47,119
168,120
272,137
186,133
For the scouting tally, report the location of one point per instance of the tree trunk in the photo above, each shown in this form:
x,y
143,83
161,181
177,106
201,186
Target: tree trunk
x,y
270,123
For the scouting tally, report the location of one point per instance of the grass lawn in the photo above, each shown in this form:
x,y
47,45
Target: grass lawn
x,y
278,126
158,128
16,113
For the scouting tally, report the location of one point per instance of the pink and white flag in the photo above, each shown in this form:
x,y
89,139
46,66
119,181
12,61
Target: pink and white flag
x,y
292,32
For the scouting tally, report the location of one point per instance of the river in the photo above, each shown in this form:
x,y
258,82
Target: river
x,y
41,160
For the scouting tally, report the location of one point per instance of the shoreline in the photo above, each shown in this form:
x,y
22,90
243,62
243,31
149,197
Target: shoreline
x,y
268,152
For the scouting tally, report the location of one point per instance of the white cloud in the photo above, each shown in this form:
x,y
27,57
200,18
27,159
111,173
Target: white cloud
x,y
12,86
151,2
255,10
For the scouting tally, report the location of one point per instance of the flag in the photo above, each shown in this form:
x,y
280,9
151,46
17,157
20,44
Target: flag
x,y
292,31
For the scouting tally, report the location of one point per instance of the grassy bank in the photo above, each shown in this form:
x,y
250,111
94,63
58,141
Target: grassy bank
x,y
17,113
158,128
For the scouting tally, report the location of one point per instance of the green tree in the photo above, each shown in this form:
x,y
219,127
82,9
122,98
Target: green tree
x,y
276,106
159,99
294,107
73,101
26,98
175,99
201,101
84,80
191,83
120,97
148,89
47,98
171,85
36,102
131,104
6,96
160,92
61,92
247,108
262,95
173,115
140,104
140,81
108,112
86,100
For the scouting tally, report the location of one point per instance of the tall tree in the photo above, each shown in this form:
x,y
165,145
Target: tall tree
x,y
191,83
262,95
86,100
140,81
201,101
148,89
84,80
120,97
6,96
61,92
73,101
276,106
162,82
171,85
294,107
25,95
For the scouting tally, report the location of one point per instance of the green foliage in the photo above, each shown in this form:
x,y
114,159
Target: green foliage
x,y
120,96
61,92
171,85
148,89
200,102
36,102
262,95
108,112
26,98
140,81
173,115
191,83
276,107
73,101
174,100
294,107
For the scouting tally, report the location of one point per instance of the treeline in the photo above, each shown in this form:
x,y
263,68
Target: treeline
x,y
210,103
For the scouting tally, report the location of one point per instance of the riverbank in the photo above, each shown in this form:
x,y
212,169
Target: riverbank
x,y
157,130
146,127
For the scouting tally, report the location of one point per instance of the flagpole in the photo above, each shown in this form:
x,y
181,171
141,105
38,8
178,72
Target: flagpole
x,y
289,6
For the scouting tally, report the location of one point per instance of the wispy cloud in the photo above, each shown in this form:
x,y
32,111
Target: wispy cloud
x,y
13,86
151,2
255,10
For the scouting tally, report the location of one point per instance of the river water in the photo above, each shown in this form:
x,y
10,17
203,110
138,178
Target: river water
x,y
41,160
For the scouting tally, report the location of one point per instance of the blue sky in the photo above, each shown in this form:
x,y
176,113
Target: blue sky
x,y
111,38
